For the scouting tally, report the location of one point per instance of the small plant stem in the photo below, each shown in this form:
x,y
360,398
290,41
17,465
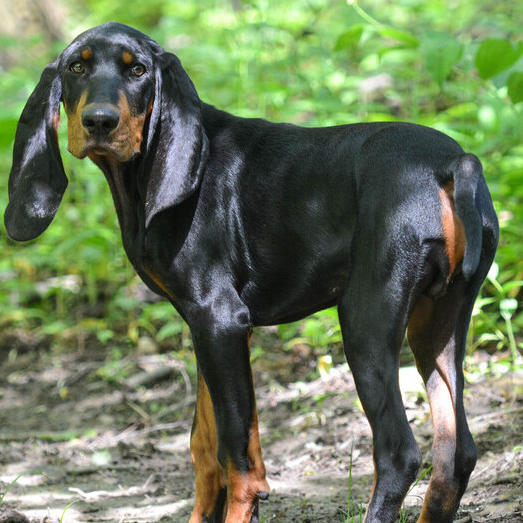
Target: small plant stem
x,y
67,507
512,342
10,485
349,504
364,14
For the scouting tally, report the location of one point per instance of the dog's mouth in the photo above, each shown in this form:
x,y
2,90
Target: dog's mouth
x,y
105,148
101,149
81,144
120,145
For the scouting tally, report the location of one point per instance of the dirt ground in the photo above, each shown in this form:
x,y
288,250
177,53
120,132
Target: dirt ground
x,y
96,441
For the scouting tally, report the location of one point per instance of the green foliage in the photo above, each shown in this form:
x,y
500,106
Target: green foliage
x,y
319,330
320,62
441,52
502,301
515,86
349,39
494,56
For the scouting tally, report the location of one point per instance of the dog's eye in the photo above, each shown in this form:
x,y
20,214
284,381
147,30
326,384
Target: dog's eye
x,y
138,69
77,67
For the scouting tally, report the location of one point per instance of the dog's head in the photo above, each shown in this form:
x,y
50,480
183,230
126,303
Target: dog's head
x,y
126,100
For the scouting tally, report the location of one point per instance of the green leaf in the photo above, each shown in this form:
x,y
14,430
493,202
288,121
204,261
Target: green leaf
x,y
402,36
169,329
349,38
441,52
515,87
494,55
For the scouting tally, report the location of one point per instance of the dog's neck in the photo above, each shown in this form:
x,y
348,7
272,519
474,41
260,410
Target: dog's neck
x,y
129,200
128,185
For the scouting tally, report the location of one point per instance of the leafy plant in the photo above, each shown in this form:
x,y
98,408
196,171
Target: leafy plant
x,y
499,303
321,62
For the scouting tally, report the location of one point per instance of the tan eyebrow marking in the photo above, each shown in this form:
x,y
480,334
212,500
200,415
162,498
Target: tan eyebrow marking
x,y
87,53
127,57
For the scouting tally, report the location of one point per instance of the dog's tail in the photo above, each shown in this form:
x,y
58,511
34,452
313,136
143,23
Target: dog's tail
x,y
466,171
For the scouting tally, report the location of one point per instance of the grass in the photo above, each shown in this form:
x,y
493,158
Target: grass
x,y
4,494
67,507
10,485
403,515
350,502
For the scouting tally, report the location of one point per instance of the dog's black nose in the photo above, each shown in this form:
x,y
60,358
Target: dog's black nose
x,y
100,120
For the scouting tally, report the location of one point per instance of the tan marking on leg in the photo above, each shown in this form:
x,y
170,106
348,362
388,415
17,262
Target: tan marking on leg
x,y
243,488
442,405
440,386
76,133
453,231
441,399
210,477
374,480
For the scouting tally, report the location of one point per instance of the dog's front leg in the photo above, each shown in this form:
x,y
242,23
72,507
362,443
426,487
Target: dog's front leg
x,y
210,495
225,444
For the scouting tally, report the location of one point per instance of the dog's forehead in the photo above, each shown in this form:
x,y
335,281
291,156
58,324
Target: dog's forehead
x,y
112,36
113,31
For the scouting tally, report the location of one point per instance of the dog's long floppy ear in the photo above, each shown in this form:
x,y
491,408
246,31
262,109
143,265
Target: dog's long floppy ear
x,y
177,146
37,180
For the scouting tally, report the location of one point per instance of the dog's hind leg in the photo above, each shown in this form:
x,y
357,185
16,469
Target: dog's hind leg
x,y
437,335
373,315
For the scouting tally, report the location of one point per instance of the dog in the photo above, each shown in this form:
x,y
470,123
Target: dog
x,y
242,222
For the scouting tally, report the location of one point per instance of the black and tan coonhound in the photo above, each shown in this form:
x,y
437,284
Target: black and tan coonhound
x,y
241,222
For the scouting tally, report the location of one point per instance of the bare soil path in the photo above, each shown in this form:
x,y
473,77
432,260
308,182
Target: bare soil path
x,y
117,445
